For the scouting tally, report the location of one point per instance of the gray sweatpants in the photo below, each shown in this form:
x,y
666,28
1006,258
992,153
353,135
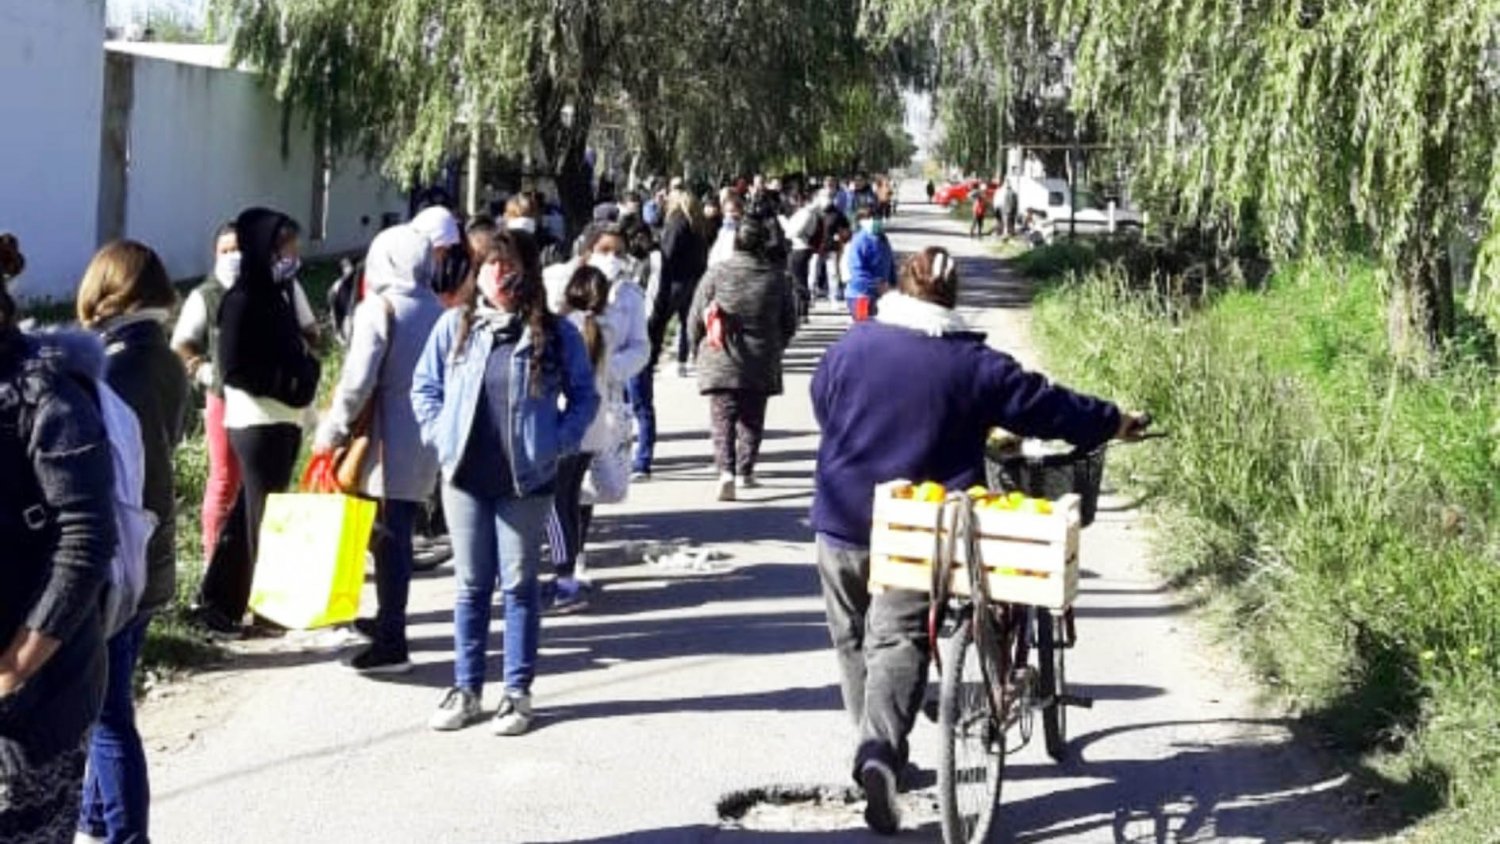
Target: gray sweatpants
x,y
882,651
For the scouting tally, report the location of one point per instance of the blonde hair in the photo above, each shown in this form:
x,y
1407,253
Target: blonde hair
x,y
124,277
682,202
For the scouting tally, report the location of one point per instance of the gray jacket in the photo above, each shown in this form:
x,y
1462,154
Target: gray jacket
x,y
383,350
760,312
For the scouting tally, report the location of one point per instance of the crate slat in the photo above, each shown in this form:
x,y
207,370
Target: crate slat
x,y
1057,590
1031,558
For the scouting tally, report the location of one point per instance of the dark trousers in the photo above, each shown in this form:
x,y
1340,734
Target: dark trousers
x,y
391,546
116,789
882,649
976,229
800,265
739,422
267,456
572,518
674,300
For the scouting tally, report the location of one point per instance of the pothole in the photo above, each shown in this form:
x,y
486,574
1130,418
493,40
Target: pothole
x,y
791,808
808,808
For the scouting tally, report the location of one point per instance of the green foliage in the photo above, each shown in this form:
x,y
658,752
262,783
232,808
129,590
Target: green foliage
x,y
722,87
1346,508
1301,125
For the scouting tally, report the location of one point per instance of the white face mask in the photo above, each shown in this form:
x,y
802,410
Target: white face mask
x,y
610,265
227,268
285,269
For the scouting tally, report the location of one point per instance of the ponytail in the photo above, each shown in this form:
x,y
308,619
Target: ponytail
x,y
593,340
588,294
12,263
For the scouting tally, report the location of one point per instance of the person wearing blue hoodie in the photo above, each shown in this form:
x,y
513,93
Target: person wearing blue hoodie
x,y
880,424
872,265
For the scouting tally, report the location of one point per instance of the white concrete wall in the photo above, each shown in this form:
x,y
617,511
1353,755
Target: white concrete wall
x,y
205,143
52,76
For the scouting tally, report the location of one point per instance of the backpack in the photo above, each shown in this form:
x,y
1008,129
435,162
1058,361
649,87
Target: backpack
x,y
133,522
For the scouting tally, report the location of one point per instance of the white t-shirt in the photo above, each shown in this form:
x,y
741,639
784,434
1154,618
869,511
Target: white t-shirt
x,y
242,410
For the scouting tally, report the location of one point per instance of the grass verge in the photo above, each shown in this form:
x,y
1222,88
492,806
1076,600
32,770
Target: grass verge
x,y
1344,515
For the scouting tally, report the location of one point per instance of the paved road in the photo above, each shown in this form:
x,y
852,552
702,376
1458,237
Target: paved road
x,y
683,688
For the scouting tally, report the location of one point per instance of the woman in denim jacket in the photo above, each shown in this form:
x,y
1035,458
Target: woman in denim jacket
x,y
502,391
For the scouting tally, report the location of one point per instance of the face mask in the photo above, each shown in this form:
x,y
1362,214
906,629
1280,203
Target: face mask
x,y
285,269
610,265
493,285
227,268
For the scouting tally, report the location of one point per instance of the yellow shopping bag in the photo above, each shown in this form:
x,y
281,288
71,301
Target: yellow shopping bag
x,y
310,566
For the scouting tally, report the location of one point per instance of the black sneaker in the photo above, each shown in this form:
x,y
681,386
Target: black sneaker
x,y
215,624
365,627
881,812
378,660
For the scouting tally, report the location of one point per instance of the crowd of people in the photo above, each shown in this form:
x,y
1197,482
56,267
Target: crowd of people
x,y
491,374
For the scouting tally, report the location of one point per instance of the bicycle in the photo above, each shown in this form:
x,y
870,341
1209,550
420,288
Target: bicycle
x,y
1003,663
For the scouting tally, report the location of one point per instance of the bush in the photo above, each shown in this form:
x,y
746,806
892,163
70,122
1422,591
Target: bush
x,y
1345,513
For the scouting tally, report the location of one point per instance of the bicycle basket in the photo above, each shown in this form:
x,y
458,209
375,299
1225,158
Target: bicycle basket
x,y
1050,477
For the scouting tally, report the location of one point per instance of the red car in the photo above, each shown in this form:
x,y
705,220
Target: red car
x,y
963,192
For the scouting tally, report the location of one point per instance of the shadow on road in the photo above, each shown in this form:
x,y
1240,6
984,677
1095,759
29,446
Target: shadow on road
x,y
1245,791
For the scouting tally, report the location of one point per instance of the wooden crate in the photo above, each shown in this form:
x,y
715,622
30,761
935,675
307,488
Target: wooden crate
x,y
1030,558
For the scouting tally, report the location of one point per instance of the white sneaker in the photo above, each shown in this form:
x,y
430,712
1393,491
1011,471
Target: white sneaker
x,y
726,488
459,709
514,717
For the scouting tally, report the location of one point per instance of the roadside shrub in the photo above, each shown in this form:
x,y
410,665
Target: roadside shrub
x,y
1345,514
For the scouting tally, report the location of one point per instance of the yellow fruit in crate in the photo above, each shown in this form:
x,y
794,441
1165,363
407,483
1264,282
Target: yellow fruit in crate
x,y
932,493
1044,507
1014,500
979,492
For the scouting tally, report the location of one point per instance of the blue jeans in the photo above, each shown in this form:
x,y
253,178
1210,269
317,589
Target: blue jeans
x,y
641,390
496,538
391,545
116,789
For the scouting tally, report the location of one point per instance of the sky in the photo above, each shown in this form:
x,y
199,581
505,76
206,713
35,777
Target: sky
x,y
120,12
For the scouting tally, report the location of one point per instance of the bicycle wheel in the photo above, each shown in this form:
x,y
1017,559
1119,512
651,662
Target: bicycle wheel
x,y
973,744
1053,682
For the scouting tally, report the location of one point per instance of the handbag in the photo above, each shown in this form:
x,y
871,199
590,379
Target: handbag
x,y
352,459
311,555
608,478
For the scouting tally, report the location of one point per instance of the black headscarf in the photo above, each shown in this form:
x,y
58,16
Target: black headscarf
x,y
261,349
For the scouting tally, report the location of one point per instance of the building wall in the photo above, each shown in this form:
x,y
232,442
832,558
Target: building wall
x,y
206,142
52,73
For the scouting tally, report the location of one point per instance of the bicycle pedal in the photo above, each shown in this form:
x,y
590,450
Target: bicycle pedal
x,y
1077,701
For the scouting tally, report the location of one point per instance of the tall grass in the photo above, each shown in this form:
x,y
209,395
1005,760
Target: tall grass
x,y
1345,514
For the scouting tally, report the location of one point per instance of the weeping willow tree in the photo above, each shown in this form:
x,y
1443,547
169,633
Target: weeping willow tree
x,y
1302,124
724,84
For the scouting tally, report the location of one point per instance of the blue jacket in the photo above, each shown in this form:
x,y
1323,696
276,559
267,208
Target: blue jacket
x,y
880,423
448,383
871,263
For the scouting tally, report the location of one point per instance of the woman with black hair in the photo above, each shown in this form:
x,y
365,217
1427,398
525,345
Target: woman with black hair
x,y
504,390
270,377
744,315
57,518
